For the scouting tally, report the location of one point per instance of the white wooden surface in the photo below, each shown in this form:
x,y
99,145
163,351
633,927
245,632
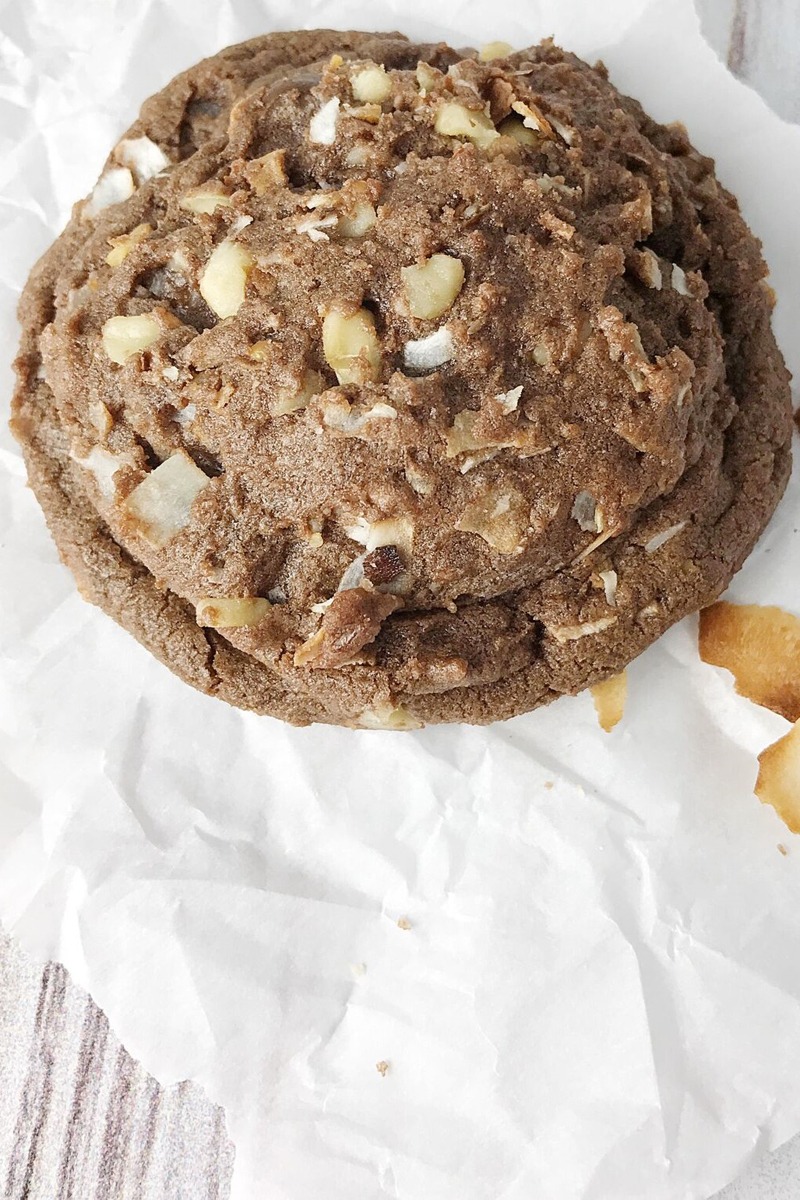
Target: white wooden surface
x,y
79,1119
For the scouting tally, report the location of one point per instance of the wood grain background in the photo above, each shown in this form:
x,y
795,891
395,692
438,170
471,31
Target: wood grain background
x,y
79,1118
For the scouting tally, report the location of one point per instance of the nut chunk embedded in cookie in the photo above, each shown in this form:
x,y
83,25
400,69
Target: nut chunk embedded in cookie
x,y
352,621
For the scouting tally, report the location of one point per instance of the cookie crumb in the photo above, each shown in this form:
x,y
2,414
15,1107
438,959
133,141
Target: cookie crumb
x,y
382,1067
403,923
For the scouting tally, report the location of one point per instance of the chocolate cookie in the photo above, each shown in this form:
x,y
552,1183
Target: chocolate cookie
x,y
379,384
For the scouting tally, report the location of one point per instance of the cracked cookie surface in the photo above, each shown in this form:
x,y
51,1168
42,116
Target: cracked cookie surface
x,y
377,384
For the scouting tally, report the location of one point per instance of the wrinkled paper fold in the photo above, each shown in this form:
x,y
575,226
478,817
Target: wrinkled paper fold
x,y
593,991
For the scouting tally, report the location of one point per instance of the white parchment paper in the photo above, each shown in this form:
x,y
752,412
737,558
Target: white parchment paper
x,y
597,996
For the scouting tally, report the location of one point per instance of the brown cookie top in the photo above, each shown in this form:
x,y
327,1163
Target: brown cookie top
x,y
379,357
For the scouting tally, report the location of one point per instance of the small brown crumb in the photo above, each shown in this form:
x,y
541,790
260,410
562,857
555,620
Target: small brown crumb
x,y
548,783
403,923
609,700
383,565
382,1067
778,782
782,849
760,646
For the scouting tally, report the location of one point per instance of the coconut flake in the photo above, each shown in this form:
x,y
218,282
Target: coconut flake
x,y
104,466
240,223
572,633
392,531
162,503
186,415
346,420
314,226
114,186
354,575
584,511
679,280
171,374
609,579
508,401
430,352
144,157
660,539
564,132
322,129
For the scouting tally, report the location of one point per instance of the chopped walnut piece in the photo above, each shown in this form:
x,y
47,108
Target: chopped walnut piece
x,y
123,337
432,286
266,173
231,612
500,516
427,77
371,85
224,279
351,347
515,128
388,716
456,121
494,50
290,399
352,620
609,698
122,246
778,782
358,221
760,646
206,199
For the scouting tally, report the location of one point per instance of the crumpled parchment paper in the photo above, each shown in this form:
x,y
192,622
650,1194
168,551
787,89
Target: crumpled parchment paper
x,y
593,991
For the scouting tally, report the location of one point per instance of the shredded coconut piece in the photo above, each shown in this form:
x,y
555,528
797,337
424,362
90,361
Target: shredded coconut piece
x,y
679,280
660,539
584,511
171,374
322,129
104,466
186,415
508,401
571,633
111,188
315,226
609,579
144,157
430,352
